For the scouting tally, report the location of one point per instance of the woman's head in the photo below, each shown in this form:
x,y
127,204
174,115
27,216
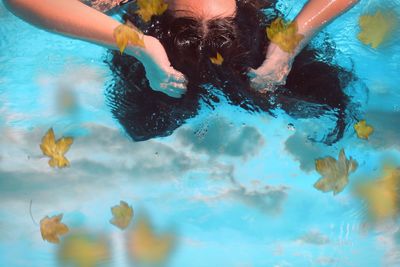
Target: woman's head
x,y
191,39
192,42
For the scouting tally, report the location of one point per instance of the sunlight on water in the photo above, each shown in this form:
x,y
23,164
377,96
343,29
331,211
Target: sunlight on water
x,y
228,188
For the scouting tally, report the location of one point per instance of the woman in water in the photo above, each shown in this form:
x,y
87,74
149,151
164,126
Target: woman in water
x,y
158,87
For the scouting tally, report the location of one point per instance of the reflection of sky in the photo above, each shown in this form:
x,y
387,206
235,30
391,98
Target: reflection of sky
x,y
239,192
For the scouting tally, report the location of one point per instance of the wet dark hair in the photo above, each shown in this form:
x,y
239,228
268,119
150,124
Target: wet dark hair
x,y
314,86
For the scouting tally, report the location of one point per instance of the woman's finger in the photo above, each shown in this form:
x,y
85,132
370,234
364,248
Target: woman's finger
x,y
173,91
251,73
178,86
178,78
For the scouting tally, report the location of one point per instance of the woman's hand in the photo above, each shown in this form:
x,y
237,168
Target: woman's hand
x,y
161,75
274,71
164,78
312,18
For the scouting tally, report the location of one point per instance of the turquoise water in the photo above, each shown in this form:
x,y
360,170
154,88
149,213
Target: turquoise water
x,y
232,188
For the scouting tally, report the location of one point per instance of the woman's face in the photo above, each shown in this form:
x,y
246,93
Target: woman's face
x,y
204,9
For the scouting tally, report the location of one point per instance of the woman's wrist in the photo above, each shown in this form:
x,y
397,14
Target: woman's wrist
x,y
153,53
161,75
137,51
276,54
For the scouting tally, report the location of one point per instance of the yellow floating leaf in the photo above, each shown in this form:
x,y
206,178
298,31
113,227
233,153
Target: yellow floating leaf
x,y
148,248
124,35
56,149
122,215
83,250
66,100
51,228
217,60
284,34
335,173
149,8
375,29
363,130
382,195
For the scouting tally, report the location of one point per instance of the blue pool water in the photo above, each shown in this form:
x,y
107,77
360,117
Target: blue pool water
x,y
232,188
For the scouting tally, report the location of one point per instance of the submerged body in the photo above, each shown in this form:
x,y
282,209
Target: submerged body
x,y
158,87
312,88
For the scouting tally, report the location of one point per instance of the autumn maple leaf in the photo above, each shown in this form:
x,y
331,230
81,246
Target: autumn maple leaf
x,y
82,249
217,60
376,28
382,195
284,34
51,228
122,215
363,130
147,247
56,149
149,8
335,173
124,35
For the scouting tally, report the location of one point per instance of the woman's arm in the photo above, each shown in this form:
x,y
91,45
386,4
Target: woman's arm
x,y
316,14
67,17
311,19
74,19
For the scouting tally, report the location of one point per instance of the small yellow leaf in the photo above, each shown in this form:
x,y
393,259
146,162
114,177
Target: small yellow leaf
x,y
284,34
124,35
66,100
335,173
217,60
51,228
56,149
148,248
375,29
122,215
149,8
84,250
363,130
382,195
